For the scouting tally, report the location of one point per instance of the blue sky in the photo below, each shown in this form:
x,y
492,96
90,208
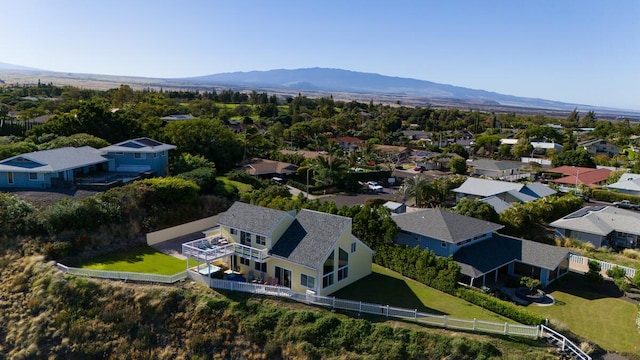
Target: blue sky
x,y
578,51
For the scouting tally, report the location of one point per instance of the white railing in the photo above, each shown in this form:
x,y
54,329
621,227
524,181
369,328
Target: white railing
x,y
563,343
444,321
203,250
582,260
382,310
122,275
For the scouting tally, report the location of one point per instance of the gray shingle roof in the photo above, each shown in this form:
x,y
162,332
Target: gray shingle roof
x,y
538,190
601,220
444,225
479,258
486,164
252,218
308,240
53,160
486,187
498,204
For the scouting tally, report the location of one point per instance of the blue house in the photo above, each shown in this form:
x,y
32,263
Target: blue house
x,y
69,166
142,155
481,253
50,168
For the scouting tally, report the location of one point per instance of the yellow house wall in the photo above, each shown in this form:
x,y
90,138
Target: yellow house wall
x,y
359,264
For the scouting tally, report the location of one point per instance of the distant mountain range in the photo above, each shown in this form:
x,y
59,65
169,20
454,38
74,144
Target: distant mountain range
x,y
338,80
323,81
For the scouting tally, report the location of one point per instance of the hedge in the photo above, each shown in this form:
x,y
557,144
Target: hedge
x,y
498,306
611,196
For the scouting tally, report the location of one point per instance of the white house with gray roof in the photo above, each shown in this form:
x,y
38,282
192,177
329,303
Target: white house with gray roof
x,y
481,253
304,251
628,183
491,191
601,226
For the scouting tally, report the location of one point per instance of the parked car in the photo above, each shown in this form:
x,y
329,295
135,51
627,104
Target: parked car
x,y
626,204
374,187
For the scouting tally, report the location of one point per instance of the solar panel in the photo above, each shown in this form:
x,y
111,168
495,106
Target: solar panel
x,y
584,211
148,142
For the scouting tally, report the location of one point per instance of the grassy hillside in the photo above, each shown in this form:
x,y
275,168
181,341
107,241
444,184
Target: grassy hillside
x,y
47,314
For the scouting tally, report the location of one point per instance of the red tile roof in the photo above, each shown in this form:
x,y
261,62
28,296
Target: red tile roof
x,y
593,177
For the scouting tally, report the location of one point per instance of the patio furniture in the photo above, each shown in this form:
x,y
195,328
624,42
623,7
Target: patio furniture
x,y
250,276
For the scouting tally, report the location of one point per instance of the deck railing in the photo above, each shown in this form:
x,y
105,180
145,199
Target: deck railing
x,y
123,275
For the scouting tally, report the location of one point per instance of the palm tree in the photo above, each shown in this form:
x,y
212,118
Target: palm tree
x,y
330,169
420,188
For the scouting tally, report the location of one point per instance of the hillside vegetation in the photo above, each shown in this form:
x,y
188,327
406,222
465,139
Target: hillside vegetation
x,y
47,314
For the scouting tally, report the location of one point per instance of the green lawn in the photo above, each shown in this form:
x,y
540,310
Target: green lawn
x,y
242,187
386,287
607,321
142,260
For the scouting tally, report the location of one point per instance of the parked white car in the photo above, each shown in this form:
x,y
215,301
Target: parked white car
x,y
374,187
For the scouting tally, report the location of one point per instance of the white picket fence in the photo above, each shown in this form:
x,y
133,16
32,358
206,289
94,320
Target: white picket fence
x,y
123,275
443,321
577,259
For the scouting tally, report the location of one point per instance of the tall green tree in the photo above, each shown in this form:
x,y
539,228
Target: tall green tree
x,y
209,138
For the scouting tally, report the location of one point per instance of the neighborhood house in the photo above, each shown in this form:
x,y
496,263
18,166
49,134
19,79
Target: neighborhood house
x,y
304,251
69,166
481,253
601,226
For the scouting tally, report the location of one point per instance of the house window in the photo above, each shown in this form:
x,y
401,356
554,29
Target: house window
x,y
245,238
33,176
119,153
155,155
245,262
307,281
261,240
137,156
343,264
10,178
443,244
621,234
327,271
260,266
233,231
163,153
353,247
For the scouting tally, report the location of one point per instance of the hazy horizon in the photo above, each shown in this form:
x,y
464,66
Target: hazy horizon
x,y
581,52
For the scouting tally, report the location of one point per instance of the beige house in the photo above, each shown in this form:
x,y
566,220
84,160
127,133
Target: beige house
x,y
305,251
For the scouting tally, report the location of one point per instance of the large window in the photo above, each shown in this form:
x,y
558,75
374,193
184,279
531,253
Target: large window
x,y
307,281
261,240
245,238
245,262
343,264
233,231
327,271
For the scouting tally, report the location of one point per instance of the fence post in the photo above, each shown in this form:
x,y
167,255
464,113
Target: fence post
x,y
333,305
474,324
415,314
360,308
506,328
387,310
537,331
444,323
564,340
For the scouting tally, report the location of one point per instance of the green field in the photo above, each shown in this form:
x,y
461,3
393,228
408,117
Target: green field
x,y
242,187
605,320
387,287
142,260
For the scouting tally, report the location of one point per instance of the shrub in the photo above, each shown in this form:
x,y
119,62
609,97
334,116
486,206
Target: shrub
x,y
499,306
204,177
593,275
616,272
631,254
171,190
